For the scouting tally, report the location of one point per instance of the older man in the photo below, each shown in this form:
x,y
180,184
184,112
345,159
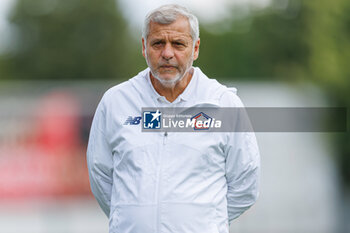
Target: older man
x,y
169,182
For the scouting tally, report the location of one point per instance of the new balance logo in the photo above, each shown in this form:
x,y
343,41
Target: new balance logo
x,y
133,120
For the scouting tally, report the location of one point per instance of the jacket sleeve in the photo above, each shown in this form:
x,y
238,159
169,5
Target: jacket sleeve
x,y
242,167
99,160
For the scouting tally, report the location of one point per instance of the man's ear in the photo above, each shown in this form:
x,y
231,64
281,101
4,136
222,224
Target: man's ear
x,y
143,48
196,49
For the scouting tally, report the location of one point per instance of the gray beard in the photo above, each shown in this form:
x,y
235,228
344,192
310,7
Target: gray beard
x,y
172,82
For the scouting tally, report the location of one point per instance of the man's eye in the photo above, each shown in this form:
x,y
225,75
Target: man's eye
x,y
157,43
179,44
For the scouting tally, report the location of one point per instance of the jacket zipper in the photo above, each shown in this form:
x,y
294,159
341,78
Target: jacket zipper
x,y
164,136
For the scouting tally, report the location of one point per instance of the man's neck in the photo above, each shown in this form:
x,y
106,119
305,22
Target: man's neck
x,y
171,93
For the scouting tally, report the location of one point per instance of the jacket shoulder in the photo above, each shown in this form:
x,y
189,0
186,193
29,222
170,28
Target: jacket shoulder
x,y
217,92
126,90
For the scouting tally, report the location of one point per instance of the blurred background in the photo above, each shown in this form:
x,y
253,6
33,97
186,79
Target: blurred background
x,y
58,57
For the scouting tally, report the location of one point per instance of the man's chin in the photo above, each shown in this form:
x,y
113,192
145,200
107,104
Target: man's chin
x,y
168,77
168,80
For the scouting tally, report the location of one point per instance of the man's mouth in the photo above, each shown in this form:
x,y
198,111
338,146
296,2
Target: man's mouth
x,y
168,67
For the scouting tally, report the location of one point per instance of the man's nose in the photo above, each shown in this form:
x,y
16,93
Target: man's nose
x,y
168,51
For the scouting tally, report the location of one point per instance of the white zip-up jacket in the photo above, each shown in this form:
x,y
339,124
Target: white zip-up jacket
x,y
176,182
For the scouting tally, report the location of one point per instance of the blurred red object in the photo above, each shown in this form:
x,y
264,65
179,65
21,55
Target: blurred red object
x,y
58,122
50,161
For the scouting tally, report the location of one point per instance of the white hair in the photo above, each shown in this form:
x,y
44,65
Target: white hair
x,y
167,14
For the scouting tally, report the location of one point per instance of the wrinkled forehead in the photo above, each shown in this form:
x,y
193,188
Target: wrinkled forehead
x,y
180,28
